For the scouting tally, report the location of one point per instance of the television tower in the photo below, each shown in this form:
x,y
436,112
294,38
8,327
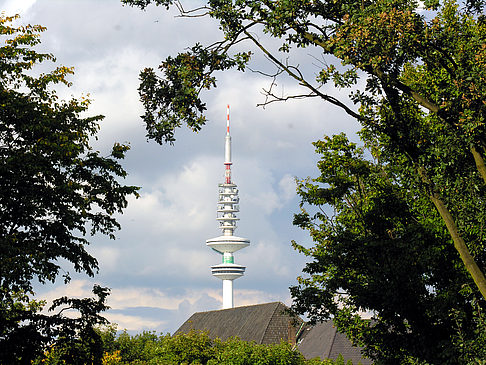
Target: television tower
x,y
227,244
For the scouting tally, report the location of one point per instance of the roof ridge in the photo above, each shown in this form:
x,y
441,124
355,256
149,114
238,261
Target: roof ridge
x,y
241,306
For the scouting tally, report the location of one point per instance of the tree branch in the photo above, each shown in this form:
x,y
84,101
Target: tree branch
x,y
459,243
190,13
278,98
384,78
478,159
302,81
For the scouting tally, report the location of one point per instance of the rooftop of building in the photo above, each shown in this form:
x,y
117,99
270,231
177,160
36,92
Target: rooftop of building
x,y
272,323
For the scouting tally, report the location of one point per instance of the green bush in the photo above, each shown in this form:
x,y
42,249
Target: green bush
x,y
193,348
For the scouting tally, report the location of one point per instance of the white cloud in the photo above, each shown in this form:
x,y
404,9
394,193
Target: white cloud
x,y
287,187
258,192
12,7
158,310
75,289
266,260
108,257
133,323
251,297
178,202
122,298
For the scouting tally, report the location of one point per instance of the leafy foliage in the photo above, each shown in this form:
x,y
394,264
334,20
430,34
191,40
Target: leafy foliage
x,y
472,351
193,348
173,98
379,252
54,191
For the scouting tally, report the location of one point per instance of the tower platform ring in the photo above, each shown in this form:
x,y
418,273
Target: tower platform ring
x,y
227,271
228,244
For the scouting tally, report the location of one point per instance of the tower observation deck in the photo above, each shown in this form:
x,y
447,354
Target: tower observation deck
x,y
227,244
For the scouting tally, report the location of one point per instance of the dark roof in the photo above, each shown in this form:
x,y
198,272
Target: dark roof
x,y
262,323
271,323
324,341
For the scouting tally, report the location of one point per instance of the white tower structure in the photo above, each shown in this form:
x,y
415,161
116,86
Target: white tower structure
x,y
227,244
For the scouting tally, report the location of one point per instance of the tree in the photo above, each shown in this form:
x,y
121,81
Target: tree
x,y
422,113
381,251
55,190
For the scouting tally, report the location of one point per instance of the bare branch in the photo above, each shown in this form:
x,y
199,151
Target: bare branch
x,y
279,72
296,69
235,40
192,13
322,62
278,98
216,46
302,81
273,83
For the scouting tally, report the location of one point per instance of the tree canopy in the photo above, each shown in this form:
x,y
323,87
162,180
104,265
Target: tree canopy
x,y
55,191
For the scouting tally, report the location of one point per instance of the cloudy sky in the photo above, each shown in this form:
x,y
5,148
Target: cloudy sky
x,y
158,268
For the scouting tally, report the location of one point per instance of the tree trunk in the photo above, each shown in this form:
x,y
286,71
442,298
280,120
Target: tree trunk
x,y
479,162
459,244
471,265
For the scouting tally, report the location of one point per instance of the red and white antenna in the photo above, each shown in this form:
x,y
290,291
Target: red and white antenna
x,y
227,119
227,149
